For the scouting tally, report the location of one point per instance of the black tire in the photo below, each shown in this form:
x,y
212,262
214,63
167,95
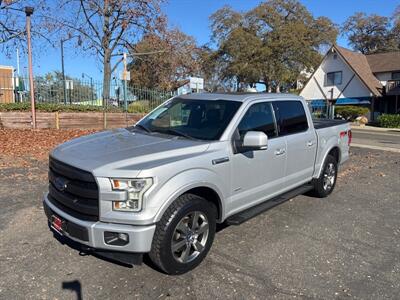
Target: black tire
x,y
179,211
321,189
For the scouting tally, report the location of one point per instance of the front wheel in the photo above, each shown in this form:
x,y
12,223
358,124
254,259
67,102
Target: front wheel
x,y
184,234
325,183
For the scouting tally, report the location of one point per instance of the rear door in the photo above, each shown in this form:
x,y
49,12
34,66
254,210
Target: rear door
x,y
301,141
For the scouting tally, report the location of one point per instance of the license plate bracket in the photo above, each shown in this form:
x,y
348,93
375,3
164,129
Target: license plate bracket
x,y
57,224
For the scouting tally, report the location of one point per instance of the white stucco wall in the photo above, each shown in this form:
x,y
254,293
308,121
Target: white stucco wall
x,y
355,89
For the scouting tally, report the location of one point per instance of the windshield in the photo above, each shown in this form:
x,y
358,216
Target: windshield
x,y
197,119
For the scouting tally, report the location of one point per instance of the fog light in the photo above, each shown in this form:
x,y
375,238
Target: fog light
x,y
116,238
129,205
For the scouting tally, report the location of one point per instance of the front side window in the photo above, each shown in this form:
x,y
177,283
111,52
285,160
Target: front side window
x,y
291,117
334,78
259,117
190,118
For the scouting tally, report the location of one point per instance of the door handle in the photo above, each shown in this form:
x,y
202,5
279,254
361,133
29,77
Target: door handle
x,y
280,151
310,143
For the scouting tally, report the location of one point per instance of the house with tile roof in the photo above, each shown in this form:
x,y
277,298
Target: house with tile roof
x,y
345,77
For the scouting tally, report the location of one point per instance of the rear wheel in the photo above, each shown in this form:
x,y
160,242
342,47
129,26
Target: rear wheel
x,y
326,182
184,234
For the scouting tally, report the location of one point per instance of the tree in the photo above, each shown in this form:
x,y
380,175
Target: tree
x,y
174,54
396,26
12,23
212,70
240,54
271,43
370,33
293,39
234,60
107,27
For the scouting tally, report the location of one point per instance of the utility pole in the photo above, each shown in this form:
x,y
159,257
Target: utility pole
x,y
28,13
124,78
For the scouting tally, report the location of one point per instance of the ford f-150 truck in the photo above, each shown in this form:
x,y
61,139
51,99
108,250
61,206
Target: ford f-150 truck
x,y
161,186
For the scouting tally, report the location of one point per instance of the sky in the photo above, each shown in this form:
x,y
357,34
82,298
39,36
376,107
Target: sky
x,y
192,17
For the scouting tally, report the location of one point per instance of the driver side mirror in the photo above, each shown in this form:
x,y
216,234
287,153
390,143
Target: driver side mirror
x,y
254,140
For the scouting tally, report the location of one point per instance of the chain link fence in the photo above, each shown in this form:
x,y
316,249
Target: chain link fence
x,y
81,92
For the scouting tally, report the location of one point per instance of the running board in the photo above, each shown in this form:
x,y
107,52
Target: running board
x,y
254,211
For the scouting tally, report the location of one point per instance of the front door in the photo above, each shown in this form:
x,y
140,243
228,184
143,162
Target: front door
x,y
257,175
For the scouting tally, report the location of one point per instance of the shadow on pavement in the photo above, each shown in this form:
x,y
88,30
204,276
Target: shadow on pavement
x,y
75,286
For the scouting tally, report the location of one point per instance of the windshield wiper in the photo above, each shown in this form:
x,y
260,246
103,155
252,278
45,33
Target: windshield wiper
x,y
179,133
143,128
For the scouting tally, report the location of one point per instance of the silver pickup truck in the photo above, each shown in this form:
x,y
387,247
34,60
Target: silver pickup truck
x,y
161,186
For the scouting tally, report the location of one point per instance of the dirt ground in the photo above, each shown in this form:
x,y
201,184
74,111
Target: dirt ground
x,y
344,246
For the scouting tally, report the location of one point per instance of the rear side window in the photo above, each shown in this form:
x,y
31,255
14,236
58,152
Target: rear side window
x,y
259,117
291,117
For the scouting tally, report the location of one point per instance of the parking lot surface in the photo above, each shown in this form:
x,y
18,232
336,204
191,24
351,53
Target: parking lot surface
x,y
344,246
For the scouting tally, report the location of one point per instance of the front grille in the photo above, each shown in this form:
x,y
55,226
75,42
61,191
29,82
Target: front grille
x,y
73,190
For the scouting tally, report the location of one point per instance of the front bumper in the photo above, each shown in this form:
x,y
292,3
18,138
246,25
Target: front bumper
x,y
91,234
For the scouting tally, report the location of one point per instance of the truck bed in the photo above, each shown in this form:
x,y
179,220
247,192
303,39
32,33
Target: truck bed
x,y
323,123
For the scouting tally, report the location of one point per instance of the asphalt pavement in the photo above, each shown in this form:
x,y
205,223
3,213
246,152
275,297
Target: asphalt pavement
x,y
379,140
346,246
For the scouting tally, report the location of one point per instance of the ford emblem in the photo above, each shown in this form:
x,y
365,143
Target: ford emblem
x,y
61,184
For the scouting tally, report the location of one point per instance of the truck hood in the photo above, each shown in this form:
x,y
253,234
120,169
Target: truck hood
x,y
124,153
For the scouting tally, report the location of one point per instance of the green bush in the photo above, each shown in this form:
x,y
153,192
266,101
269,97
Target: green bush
x,y
350,112
389,121
53,107
139,106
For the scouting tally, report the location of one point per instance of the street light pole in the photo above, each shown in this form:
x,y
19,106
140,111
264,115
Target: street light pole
x,y
62,65
28,13
63,72
91,85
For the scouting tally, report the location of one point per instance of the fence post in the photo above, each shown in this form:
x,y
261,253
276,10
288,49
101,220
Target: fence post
x,y
57,120
104,120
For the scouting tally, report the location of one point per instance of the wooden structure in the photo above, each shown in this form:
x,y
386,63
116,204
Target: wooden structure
x,y
6,84
68,120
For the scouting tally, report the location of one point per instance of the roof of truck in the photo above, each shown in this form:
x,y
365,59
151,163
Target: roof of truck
x,y
241,97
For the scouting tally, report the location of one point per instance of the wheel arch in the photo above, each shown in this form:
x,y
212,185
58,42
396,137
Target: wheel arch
x,y
206,186
334,150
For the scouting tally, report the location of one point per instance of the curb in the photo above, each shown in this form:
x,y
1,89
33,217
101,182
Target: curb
x,y
396,150
372,128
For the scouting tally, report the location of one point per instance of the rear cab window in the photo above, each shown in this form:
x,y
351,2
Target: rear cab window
x,y
290,116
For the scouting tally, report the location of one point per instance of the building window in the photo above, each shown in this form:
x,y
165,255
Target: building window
x,y
334,78
396,75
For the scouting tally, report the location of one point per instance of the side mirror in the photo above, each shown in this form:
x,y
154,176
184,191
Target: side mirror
x,y
255,140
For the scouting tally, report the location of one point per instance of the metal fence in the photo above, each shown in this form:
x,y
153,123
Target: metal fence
x,y
80,92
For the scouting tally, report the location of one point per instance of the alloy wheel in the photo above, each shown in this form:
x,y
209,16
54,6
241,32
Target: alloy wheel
x,y
329,177
190,237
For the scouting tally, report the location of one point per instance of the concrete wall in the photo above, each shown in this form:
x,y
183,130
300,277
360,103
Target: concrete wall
x,y
333,63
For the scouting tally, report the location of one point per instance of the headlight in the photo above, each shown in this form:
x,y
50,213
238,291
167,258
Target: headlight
x,y
135,189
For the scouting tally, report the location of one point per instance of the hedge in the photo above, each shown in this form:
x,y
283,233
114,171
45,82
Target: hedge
x,y
389,121
53,107
350,112
139,106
